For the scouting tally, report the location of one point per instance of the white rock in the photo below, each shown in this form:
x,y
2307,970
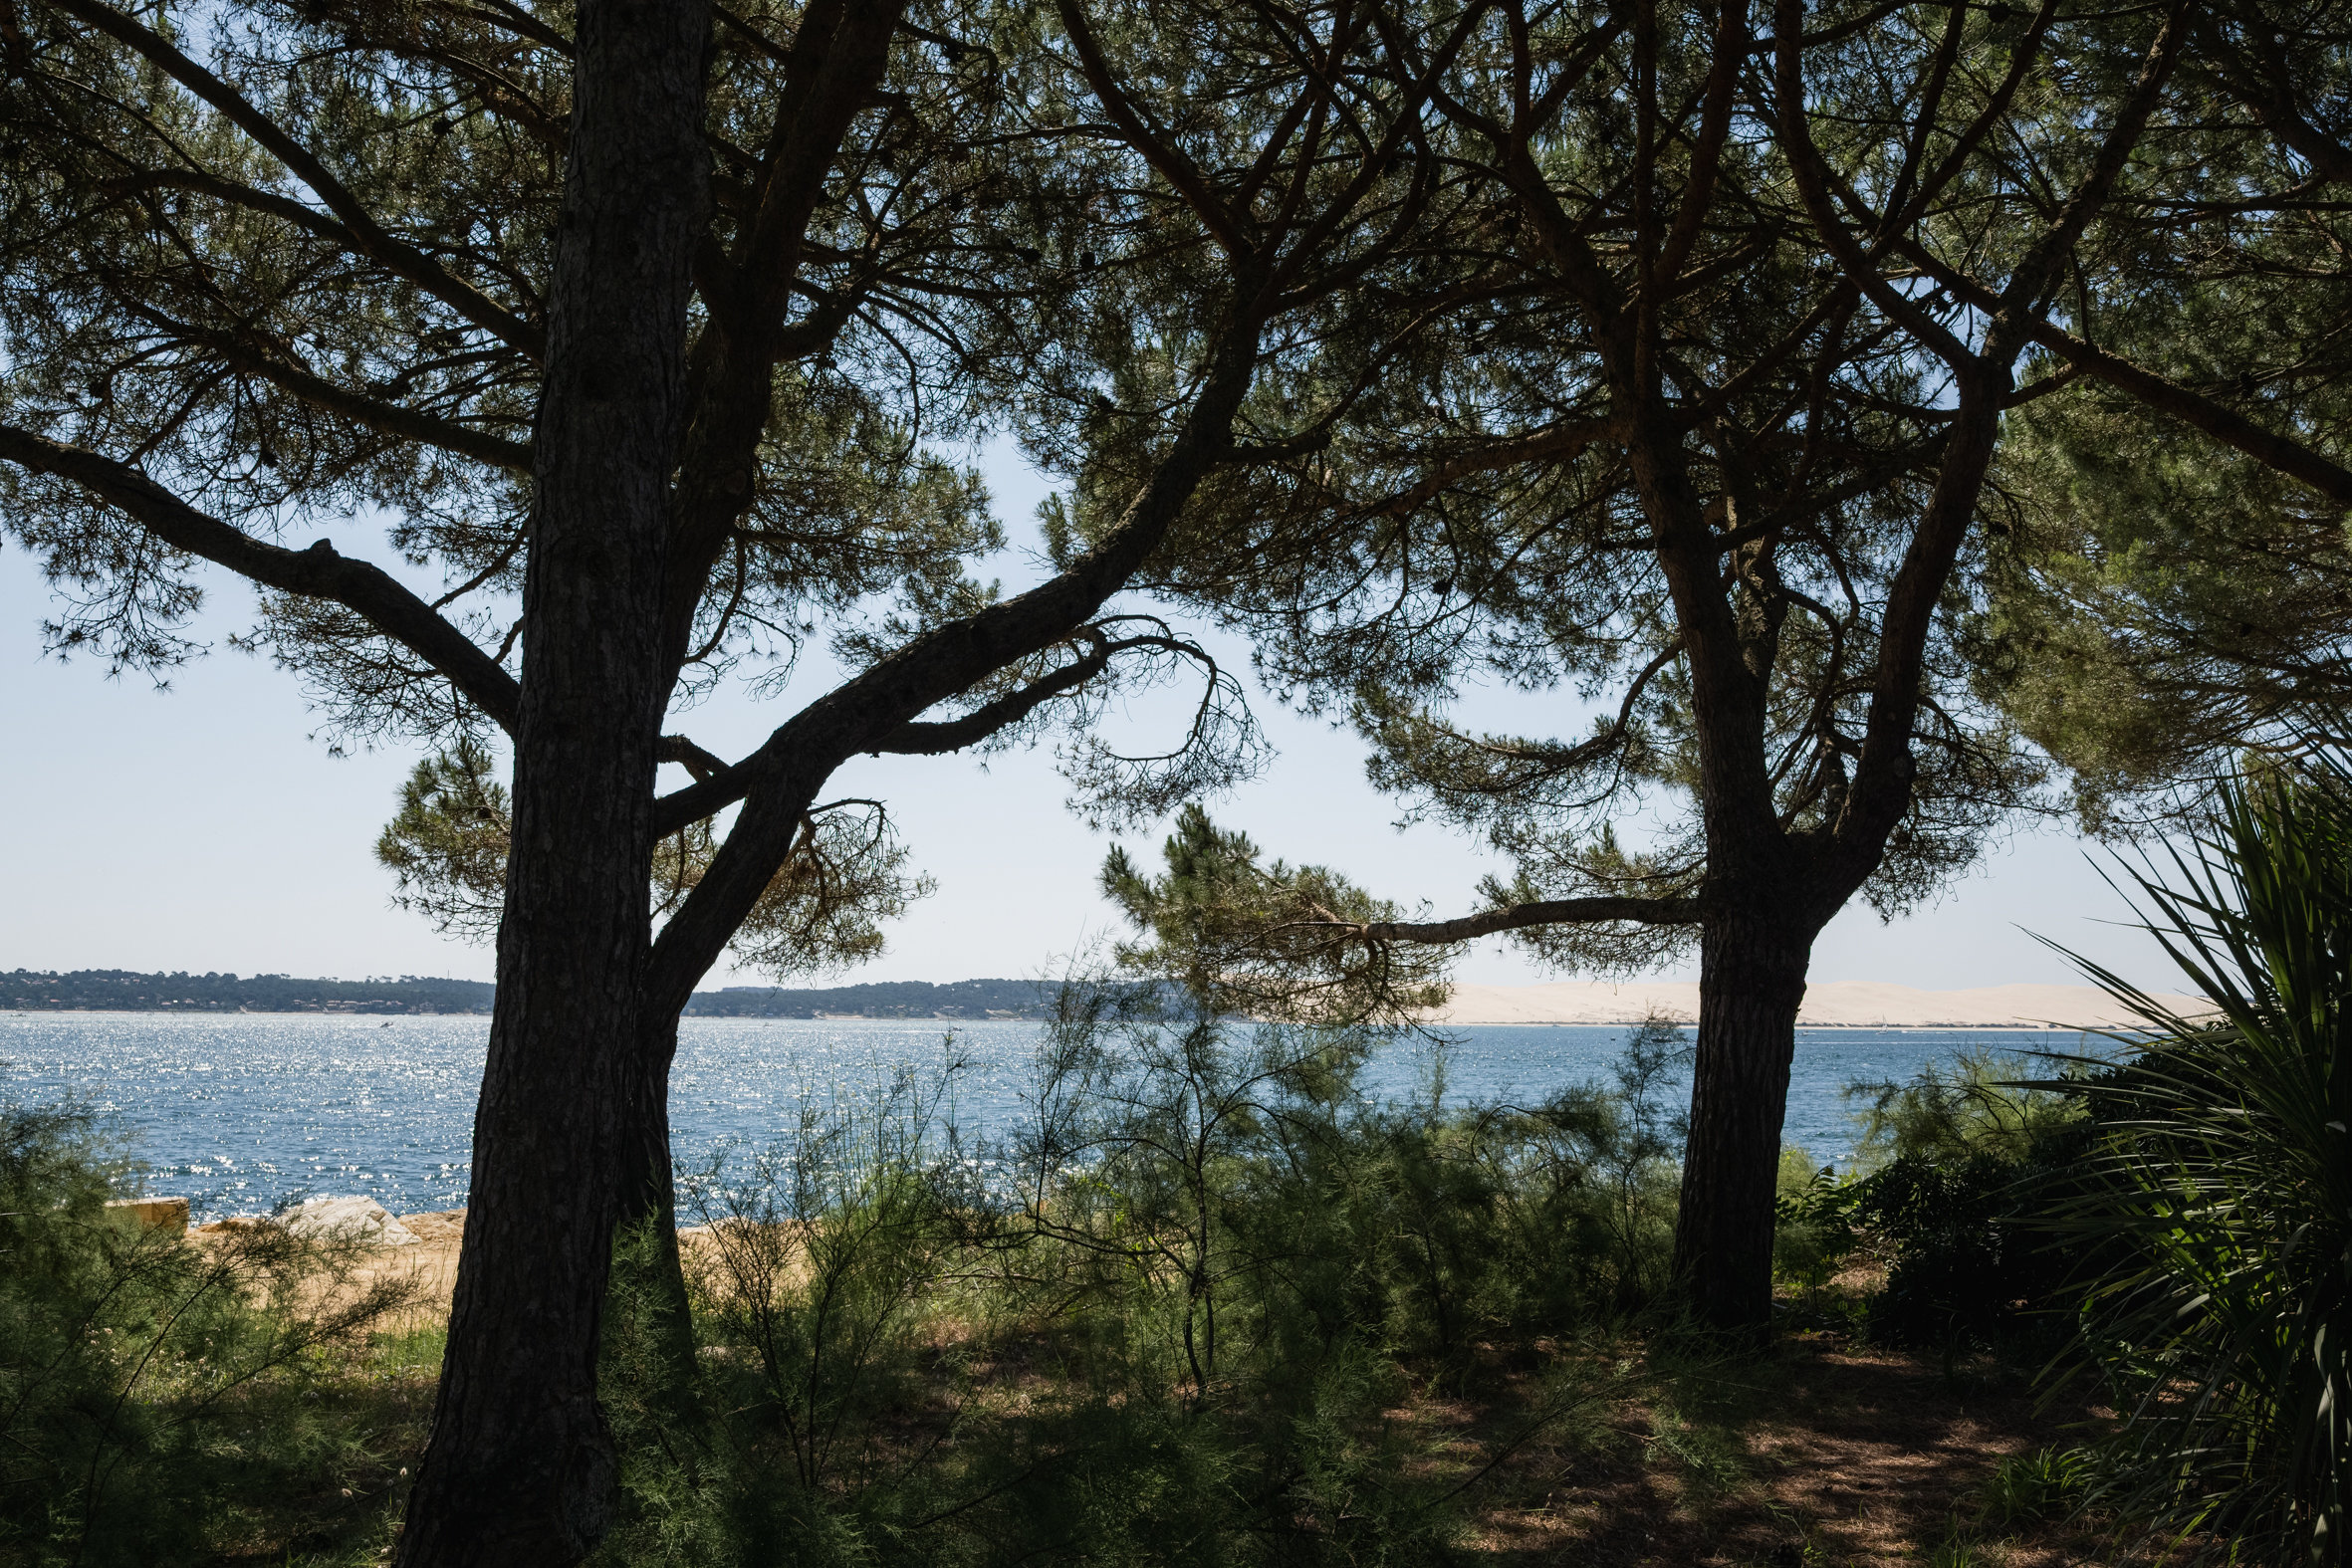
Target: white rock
x,y
348,1218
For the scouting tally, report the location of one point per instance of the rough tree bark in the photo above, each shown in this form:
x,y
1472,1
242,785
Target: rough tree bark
x,y
1752,980
521,1468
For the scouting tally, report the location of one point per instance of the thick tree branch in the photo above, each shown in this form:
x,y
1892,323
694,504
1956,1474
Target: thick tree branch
x,y
701,764
1810,172
319,573
1964,147
1308,242
1883,774
2265,84
837,58
989,719
2223,423
777,782
1166,159
1730,49
868,712
931,740
836,62
2038,270
1546,912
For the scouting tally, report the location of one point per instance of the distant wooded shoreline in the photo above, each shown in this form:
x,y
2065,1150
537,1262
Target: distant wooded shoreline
x,y
125,990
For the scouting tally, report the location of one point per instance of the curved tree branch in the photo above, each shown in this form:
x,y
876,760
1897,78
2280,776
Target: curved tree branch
x,y
777,780
1545,912
2223,423
359,586
930,739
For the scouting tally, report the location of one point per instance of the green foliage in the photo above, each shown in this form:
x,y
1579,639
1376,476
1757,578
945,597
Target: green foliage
x,y
896,1366
1520,1214
1712,1461
2046,1483
1235,1179
2226,1191
1960,1167
2156,603
1277,941
813,1272
1811,1233
1965,1266
1173,1320
447,844
163,1401
1978,1107
824,909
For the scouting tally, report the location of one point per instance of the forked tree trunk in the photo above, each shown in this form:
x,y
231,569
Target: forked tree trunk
x,y
1752,980
521,1469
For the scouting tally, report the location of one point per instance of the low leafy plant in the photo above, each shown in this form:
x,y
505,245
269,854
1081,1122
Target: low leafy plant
x,y
2224,1198
1812,1233
812,1267
1959,1166
2048,1484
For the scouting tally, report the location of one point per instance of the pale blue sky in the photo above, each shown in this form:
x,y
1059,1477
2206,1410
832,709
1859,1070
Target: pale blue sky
x,y
203,828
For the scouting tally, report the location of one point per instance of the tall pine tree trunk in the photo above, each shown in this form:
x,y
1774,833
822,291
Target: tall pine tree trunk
x,y
1752,980
647,1261
521,1469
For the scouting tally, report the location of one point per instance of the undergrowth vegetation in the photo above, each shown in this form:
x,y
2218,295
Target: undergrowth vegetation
x,y
2217,1223
2169,1224
1956,1168
1193,1308
163,1401
1186,1315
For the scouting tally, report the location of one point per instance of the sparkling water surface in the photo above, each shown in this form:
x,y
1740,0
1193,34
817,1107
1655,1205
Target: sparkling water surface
x,y
242,1112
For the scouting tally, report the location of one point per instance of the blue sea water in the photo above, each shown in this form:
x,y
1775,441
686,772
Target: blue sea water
x,y
241,1112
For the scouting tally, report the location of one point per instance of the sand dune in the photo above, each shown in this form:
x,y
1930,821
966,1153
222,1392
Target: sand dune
x,y
1849,1002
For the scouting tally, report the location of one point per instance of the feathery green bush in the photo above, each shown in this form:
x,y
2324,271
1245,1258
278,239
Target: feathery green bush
x,y
163,1401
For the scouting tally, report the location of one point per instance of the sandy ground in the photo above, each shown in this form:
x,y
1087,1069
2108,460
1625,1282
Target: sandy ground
x,y
1846,1455
1852,1004
431,1264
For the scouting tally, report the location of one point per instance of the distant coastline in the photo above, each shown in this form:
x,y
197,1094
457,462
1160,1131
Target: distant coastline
x,y
1827,1005
127,990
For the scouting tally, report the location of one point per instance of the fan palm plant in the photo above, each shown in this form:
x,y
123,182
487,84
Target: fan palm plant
x,y
2220,1212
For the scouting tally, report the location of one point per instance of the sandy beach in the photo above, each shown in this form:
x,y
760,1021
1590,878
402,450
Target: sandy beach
x,y
1838,1003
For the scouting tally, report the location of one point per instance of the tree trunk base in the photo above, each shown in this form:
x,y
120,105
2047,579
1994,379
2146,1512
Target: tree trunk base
x,y
1751,983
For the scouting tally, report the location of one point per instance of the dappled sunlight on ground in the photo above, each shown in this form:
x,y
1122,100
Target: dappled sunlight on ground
x,y
1826,1453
